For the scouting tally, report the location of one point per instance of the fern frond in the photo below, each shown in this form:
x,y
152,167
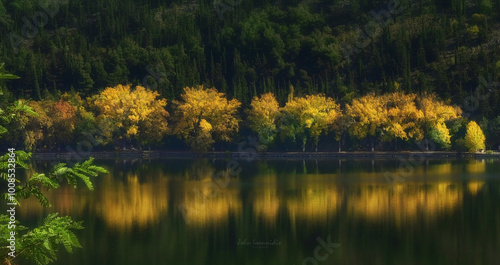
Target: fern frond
x,y
40,245
46,182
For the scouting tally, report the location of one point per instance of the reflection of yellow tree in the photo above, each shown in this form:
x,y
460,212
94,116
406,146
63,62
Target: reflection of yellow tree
x,y
475,186
123,205
208,202
404,203
201,169
266,203
476,167
440,169
315,203
65,200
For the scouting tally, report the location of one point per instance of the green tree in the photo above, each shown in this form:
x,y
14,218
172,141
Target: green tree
x,y
493,136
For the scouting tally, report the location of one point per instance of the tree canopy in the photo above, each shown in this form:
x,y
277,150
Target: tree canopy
x,y
205,115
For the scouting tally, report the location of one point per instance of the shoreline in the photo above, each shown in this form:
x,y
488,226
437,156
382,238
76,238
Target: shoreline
x,y
262,155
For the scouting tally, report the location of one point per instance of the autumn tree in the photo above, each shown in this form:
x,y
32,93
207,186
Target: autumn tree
x,y
64,116
340,126
204,116
474,137
53,126
434,115
402,116
369,116
85,124
38,130
262,116
308,117
131,114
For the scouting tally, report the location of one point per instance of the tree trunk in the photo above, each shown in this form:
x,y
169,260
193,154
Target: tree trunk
x,y
340,143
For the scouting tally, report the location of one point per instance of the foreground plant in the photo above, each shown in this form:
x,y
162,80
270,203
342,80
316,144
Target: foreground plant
x,y
38,245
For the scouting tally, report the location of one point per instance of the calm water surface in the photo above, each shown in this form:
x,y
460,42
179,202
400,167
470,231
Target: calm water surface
x,y
283,212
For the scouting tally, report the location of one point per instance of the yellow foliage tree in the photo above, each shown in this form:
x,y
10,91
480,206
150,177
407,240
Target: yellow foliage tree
x,y
402,116
474,138
309,116
262,118
369,115
434,115
205,115
133,114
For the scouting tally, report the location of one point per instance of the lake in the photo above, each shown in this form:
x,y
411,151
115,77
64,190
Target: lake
x,y
283,212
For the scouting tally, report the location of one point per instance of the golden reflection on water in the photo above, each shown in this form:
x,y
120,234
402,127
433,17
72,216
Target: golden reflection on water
x,y
124,204
476,167
406,202
65,200
475,186
440,169
314,203
120,204
266,202
208,202
313,198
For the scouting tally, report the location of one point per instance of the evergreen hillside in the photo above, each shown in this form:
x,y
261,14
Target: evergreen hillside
x,y
245,48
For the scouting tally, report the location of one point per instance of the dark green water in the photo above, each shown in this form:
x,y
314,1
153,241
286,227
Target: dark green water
x,y
284,212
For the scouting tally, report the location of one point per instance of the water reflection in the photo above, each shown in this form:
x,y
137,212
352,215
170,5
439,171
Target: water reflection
x,y
139,196
207,203
266,202
123,204
475,186
194,212
476,167
405,203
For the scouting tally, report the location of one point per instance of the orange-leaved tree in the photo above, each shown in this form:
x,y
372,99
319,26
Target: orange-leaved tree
x,y
204,115
131,114
53,127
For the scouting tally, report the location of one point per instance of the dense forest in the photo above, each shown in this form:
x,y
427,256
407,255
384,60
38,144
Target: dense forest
x,y
344,50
